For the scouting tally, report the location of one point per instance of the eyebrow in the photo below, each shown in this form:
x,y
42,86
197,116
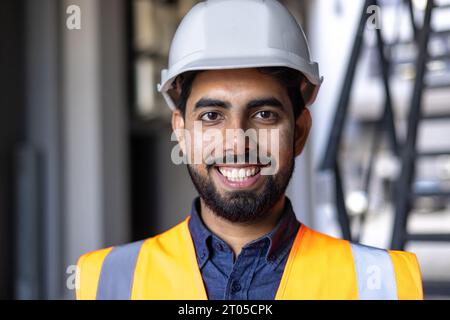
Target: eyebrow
x,y
269,101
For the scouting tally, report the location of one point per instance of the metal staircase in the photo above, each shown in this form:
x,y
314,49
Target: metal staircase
x,y
385,124
406,190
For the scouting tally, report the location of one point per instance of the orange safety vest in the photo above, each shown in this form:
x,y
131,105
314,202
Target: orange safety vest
x,y
318,267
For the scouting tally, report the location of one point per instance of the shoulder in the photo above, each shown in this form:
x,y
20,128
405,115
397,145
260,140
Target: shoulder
x,y
88,270
175,233
408,274
403,266
399,258
90,264
311,238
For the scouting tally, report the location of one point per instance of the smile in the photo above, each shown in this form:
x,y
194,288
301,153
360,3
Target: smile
x,y
238,174
238,177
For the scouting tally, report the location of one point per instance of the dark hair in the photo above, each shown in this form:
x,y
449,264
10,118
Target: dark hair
x,y
289,78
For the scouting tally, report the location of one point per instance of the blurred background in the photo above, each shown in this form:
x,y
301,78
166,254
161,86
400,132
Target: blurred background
x,y
85,137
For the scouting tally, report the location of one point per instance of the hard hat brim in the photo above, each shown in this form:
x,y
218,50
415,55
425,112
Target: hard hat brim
x,y
309,70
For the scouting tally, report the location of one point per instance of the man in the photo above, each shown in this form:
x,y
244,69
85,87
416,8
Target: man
x,y
240,66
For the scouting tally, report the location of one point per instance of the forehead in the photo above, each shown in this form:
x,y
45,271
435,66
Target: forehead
x,y
236,83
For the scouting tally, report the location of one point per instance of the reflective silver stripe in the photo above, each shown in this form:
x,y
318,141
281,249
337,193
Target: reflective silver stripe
x,y
116,276
375,273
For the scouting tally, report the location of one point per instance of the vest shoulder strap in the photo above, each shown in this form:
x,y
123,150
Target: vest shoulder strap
x,y
161,267
375,273
117,274
88,271
386,274
167,268
107,274
323,267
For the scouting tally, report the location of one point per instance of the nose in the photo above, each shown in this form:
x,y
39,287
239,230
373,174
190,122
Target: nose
x,y
240,139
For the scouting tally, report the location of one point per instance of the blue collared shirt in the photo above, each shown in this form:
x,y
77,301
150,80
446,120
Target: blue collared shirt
x,y
257,271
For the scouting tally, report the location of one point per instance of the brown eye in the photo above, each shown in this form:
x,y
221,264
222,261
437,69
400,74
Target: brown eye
x,y
266,115
210,116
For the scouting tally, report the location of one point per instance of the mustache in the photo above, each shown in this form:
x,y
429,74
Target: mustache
x,y
246,158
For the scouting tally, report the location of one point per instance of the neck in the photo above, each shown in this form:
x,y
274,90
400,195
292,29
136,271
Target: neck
x,y
238,234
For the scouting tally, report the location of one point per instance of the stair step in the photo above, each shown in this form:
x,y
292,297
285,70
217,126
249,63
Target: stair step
x,y
431,193
441,6
441,33
437,85
436,288
434,153
428,237
436,116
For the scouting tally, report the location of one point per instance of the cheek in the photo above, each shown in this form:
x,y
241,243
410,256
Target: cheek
x,y
284,148
200,169
280,138
204,145
286,141
195,145
213,144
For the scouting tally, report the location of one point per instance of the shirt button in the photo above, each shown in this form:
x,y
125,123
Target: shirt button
x,y
235,286
203,254
219,247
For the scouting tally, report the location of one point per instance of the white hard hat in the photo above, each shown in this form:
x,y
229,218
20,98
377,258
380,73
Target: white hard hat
x,y
233,34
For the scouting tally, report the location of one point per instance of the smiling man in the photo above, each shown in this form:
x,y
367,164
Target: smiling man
x,y
228,76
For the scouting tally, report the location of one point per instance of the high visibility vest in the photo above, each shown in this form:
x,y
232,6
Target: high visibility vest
x,y
318,267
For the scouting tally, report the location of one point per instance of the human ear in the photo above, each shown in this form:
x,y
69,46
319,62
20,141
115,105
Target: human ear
x,y
302,128
178,128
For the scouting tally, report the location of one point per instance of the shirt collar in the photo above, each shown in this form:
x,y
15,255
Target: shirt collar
x,y
199,232
278,239
281,236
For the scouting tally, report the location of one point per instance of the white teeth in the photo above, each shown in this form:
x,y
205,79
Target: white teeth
x,y
238,174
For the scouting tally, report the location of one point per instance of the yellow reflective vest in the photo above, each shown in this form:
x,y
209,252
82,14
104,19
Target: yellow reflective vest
x,y
318,267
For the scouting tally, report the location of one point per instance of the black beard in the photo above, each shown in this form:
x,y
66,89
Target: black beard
x,y
242,206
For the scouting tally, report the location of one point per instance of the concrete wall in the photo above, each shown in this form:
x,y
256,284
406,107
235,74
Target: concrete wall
x,y
95,145
77,120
